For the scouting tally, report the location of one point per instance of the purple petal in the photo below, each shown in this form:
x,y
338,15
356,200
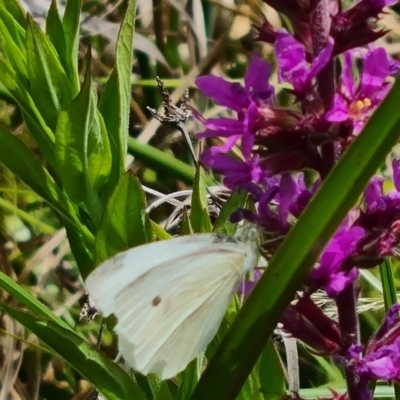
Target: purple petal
x,y
373,195
228,94
383,368
288,191
222,127
375,71
339,111
290,55
257,77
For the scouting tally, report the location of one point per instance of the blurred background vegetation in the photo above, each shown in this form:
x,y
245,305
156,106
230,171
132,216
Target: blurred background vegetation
x,y
176,40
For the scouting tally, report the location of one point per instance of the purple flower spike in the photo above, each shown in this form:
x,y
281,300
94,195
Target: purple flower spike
x,y
293,66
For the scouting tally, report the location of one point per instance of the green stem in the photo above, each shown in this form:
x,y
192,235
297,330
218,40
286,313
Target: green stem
x,y
160,161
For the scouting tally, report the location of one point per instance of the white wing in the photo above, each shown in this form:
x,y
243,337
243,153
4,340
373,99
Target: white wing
x,y
108,279
170,305
169,315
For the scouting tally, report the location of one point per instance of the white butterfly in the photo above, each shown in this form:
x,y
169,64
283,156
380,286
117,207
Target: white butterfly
x,y
170,297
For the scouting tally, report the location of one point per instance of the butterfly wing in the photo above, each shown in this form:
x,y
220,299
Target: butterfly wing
x,y
107,280
168,315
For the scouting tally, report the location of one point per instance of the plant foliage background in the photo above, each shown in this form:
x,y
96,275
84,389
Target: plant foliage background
x,y
75,78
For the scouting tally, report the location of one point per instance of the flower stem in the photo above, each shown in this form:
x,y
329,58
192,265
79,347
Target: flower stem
x,y
320,27
348,322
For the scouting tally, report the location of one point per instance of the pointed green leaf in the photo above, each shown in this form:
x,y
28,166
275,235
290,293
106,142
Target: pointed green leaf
x,y
40,131
12,39
111,380
159,232
125,223
15,9
115,101
82,149
99,151
55,32
49,85
186,225
71,20
199,217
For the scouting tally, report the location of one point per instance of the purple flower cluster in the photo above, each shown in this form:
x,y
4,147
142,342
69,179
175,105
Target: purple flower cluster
x,y
278,142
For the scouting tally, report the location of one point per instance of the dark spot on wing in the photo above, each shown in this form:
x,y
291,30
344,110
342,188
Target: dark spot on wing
x,y
156,301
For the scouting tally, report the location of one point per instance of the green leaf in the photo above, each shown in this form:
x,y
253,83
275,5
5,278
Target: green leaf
x,y
82,150
388,284
115,101
30,302
125,223
223,224
199,211
21,161
189,377
15,9
55,32
40,131
49,85
12,39
251,389
82,249
99,152
153,387
186,226
159,232
271,373
71,20
112,381
291,264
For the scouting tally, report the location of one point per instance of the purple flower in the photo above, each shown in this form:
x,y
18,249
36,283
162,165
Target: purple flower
x,y
233,95
355,27
333,274
305,321
382,355
356,100
293,65
245,101
236,172
247,286
381,216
